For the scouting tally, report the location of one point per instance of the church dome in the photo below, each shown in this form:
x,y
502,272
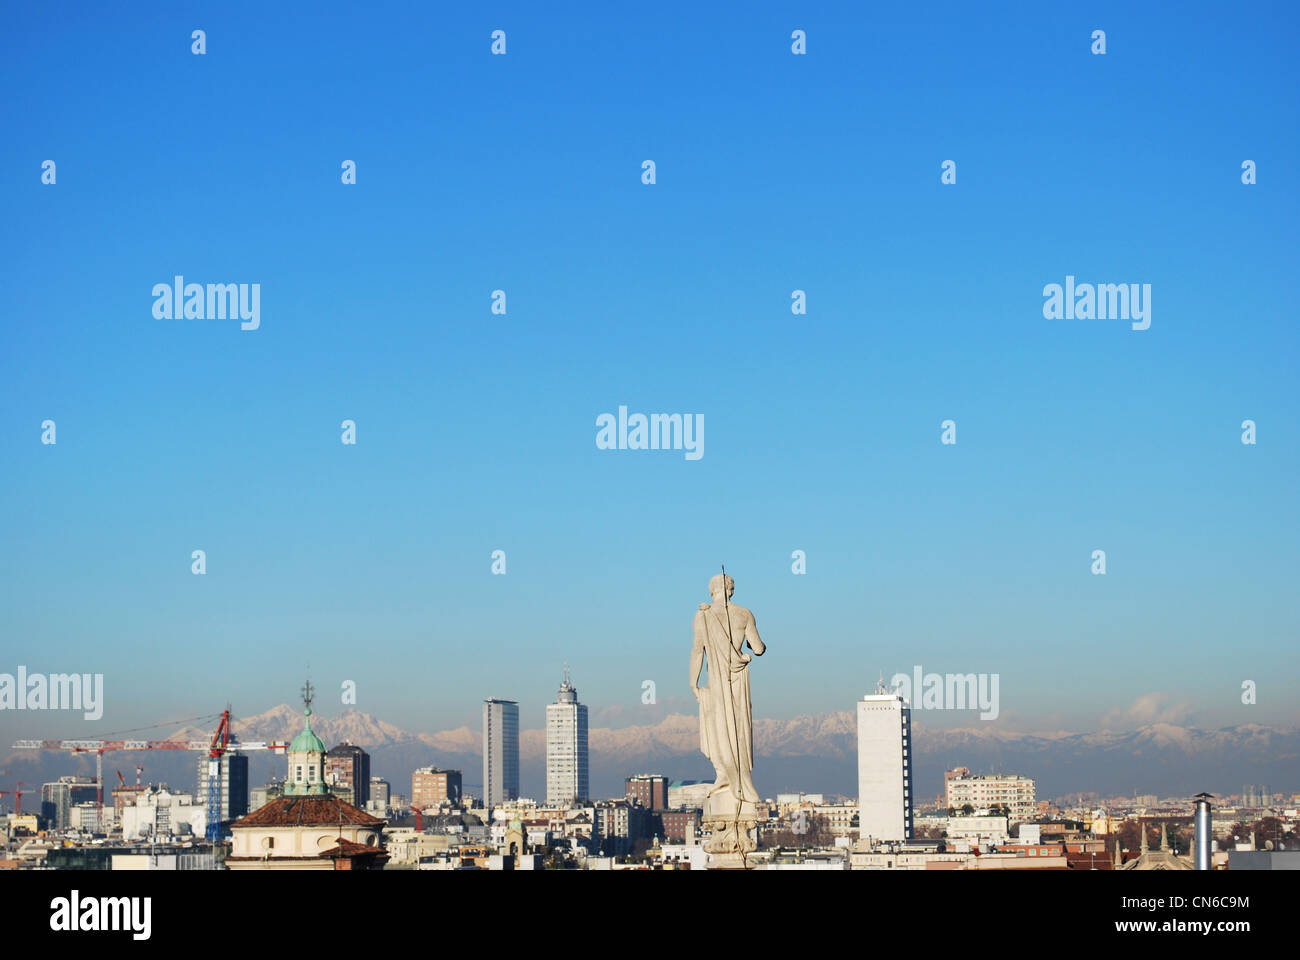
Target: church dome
x,y
307,742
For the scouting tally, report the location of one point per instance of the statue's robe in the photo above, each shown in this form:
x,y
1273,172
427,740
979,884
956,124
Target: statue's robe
x,y
726,719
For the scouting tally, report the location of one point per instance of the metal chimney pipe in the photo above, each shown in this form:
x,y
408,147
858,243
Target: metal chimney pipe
x,y
1202,860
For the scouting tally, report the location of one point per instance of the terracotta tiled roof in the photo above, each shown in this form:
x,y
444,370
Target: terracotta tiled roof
x,y
346,848
308,811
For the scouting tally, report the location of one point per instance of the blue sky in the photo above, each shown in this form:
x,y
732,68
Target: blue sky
x,y
476,432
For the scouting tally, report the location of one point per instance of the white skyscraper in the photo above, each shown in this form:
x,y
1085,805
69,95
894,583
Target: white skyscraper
x,y
567,779
500,752
884,766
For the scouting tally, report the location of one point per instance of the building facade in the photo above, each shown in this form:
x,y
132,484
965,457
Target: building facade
x,y
688,794
567,771
161,813
232,784
380,794
648,789
1014,793
432,787
59,797
678,826
500,751
347,771
617,825
259,797
884,767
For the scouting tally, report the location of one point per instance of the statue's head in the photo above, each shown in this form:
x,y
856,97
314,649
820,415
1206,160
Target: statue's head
x,y
715,586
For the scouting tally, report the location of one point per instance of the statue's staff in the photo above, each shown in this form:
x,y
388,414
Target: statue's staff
x,y
735,787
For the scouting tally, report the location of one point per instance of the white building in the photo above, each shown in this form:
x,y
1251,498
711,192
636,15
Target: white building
x,y
160,813
840,817
978,832
87,817
500,751
688,794
1015,793
567,772
884,767
785,802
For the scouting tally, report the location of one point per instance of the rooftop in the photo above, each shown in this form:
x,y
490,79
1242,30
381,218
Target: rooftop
x,y
307,811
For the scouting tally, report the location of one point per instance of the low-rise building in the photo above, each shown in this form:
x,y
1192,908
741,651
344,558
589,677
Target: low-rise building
x,y
1014,793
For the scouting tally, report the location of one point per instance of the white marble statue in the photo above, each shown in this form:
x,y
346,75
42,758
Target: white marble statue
x,y
722,629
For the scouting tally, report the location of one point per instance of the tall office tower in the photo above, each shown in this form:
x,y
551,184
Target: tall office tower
x,y
233,780
500,752
884,767
347,771
567,780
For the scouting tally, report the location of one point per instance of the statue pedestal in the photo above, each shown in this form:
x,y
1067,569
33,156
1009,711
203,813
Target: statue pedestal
x,y
734,832
727,861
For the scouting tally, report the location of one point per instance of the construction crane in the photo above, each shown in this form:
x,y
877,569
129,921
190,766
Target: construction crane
x,y
223,741
17,794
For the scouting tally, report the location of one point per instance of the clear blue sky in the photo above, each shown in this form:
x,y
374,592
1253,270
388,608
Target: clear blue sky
x,y
476,432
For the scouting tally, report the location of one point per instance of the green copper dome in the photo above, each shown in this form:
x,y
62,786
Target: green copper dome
x,y
307,742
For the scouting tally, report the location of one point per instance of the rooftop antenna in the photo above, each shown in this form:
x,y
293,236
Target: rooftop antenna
x,y
566,674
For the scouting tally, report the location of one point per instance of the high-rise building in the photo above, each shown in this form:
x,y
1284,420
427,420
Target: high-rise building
x,y
648,789
232,781
500,751
431,787
1256,795
380,791
567,774
58,799
347,771
884,767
